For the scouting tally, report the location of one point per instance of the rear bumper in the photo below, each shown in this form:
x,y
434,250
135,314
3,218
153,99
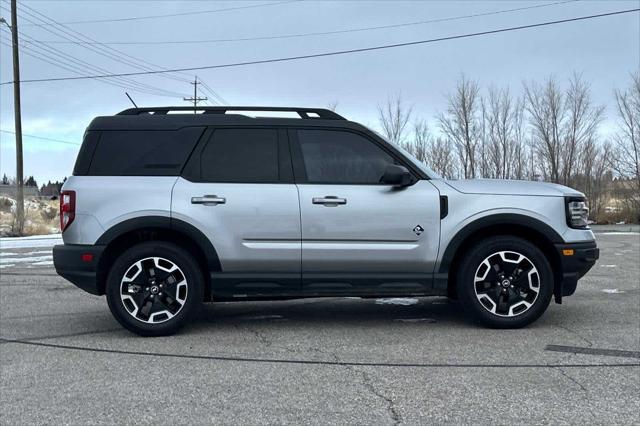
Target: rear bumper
x,y
576,259
72,263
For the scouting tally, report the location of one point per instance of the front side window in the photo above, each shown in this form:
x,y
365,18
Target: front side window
x,y
241,155
333,156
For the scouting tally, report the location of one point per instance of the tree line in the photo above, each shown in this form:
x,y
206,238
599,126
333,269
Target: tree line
x,y
549,131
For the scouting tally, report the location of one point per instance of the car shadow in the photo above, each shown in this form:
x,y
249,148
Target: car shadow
x,y
333,311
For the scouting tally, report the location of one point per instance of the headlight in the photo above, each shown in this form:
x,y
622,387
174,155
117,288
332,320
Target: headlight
x,y
577,213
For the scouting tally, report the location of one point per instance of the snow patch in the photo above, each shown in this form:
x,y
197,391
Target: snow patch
x,y
46,262
612,291
7,266
619,233
25,259
404,301
608,266
28,242
28,253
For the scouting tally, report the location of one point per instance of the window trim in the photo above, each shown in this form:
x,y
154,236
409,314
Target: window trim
x,y
299,170
192,169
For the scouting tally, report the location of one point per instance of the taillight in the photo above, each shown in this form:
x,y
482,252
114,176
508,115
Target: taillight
x,y
67,208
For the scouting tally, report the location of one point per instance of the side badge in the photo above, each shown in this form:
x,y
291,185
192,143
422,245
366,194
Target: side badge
x,y
418,230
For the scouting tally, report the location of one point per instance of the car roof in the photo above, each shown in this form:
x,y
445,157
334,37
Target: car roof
x,y
168,118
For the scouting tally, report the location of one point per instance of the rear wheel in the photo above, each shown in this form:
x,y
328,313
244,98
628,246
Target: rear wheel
x,y
154,288
505,282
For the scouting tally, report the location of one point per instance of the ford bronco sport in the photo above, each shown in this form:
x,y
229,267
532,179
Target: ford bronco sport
x,y
165,211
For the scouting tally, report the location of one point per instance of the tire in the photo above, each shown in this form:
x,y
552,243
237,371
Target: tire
x,y
154,288
505,282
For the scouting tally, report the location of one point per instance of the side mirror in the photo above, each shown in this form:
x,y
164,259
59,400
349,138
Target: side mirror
x,y
397,176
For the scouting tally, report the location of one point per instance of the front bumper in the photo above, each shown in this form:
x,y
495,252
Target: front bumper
x,y
576,259
79,264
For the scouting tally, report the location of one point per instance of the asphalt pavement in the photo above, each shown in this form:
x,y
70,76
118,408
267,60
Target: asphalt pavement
x,y
65,360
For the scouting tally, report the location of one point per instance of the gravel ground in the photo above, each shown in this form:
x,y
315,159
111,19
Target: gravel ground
x,y
64,359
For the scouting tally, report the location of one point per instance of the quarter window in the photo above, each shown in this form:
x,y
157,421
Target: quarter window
x,y
137,152
332,156
241,155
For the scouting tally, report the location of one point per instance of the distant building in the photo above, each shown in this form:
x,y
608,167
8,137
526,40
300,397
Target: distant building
x,y
11,190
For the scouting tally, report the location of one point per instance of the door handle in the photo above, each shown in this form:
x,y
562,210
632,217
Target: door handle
x,y
329,200
208,200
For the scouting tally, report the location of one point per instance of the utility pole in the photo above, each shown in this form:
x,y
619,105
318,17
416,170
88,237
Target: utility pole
x,y
195,99
18,119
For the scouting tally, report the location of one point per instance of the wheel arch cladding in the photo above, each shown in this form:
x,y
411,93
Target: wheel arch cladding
x,y
156,228
533,230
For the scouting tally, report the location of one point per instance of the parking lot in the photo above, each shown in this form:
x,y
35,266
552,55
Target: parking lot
x,y
64,359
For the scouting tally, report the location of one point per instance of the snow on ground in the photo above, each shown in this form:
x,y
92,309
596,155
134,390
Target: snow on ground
x,y
28,242
27,252
4,260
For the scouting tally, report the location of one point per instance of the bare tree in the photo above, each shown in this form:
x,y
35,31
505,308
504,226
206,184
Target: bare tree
x,y
545,104
626,161
594,174
583,119
521,150
437,153
501,121
421,142
441,157
332,106
562,123
461,125
394,117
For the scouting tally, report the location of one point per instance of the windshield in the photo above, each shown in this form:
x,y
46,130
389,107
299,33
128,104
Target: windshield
x,y
417,163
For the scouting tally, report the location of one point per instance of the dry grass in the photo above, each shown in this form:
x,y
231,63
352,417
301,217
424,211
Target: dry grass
x,y
41,216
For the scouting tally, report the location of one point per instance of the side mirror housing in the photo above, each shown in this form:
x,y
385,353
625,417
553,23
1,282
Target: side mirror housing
x,y
397,176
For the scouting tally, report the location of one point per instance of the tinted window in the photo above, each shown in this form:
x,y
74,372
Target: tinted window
x,y
341,157
241,155
83,161
143,152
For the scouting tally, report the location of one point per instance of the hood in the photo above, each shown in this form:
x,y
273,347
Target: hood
x,y
512,187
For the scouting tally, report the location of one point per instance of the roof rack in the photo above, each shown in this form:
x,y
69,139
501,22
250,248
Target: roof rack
x,y
302,112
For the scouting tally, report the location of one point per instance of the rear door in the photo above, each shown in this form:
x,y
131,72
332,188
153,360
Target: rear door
x,y
358,235
238,190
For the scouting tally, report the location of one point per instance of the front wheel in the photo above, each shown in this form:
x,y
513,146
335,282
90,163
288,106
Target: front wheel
x,y
505,282
153,288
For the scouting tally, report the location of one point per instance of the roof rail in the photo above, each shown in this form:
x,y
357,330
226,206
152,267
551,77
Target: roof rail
x,y
302,112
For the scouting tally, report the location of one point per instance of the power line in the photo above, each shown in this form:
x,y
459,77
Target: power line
x,y
170,15
320,33
72,35
52,56
339,52
111,53
213,93
42,137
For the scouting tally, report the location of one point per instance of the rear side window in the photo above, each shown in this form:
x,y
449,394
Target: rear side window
x,y
143,152
83,161
241,155
333,156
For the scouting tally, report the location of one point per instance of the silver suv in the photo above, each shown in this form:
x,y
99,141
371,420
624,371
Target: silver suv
x,y
165,211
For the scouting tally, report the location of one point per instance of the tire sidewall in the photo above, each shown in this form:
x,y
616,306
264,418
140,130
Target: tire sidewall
x,y
171,252
477,254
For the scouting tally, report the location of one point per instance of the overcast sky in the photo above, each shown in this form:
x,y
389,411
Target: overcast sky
x,y
604,50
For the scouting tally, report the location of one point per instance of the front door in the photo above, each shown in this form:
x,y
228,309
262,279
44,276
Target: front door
x,y
360,236
238,190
